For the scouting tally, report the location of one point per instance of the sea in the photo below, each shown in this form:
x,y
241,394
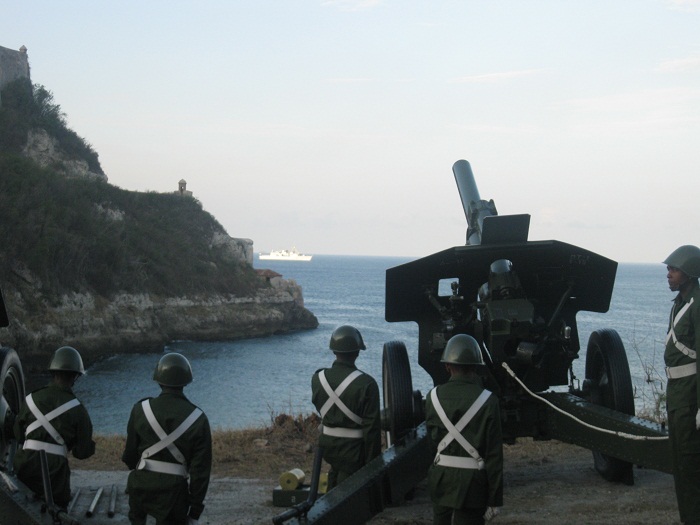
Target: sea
x,y
246,383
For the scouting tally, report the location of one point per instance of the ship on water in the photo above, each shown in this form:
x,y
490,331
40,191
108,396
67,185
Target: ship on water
x,y
285,255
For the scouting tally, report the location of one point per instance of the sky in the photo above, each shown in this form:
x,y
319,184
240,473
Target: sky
x,y
333,125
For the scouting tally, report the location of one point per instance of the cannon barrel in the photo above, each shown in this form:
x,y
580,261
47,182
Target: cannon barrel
x,y
484,225
474,207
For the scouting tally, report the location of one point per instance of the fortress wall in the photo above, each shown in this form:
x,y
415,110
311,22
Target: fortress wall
x,y
13,65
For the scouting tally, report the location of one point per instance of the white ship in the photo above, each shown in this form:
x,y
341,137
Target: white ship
x,y
285,255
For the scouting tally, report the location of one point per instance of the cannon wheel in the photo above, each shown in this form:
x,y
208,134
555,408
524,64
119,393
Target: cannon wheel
x,y
12,399
398,391
608,376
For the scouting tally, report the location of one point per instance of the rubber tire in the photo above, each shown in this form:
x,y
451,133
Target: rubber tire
x,y
13,393
398,391
608,374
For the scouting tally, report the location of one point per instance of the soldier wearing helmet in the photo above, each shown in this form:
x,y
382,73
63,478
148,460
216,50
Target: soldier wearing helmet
x,y
53,419
168,449
683,386
464,424
348,401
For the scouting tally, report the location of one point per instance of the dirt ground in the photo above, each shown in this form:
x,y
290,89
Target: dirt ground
x,y
548,483
545,483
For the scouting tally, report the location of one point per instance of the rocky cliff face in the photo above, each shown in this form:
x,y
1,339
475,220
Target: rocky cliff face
x,y
235,249
43,149
144,323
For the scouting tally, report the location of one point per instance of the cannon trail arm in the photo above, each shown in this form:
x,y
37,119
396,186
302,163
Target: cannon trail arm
x,y
383,481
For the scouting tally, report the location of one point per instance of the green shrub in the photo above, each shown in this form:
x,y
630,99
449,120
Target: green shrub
x,y
87,235
79,234
25,107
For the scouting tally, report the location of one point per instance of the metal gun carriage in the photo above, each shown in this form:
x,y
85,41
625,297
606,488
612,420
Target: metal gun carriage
x,y
519,300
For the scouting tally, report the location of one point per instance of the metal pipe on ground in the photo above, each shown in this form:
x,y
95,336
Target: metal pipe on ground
x,y
112,501
74,500
94,503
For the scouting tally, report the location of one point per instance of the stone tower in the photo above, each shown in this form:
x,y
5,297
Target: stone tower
x,y
13,65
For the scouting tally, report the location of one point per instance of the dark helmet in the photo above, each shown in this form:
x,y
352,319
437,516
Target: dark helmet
x,y
67,359
462,349
346,339
686,259
173,369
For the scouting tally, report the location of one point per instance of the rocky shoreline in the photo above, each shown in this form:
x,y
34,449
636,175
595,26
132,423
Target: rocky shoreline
x,y
146,323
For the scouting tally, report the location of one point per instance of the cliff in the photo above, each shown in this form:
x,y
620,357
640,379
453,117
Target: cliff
x,y
144,322
107,270
46,151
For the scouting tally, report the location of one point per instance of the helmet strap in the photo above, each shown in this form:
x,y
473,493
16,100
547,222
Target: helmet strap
x,y
686,285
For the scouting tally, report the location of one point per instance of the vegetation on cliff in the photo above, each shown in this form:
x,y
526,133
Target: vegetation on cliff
x,y
89,236
25,107
85,235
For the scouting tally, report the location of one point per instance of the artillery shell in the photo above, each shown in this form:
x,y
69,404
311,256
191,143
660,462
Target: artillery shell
x,y
292,479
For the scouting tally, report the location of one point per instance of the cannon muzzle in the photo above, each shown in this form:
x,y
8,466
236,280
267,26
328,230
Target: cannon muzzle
x,y
475,208
484,225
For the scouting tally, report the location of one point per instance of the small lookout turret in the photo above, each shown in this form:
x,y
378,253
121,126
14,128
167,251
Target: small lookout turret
x,y
182,188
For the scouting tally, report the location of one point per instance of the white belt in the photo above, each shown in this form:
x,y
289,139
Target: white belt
x,y
672,332
166,441
43,420
164,467
334,396
353,433
459,462
676,372
680,346
49,448
454,433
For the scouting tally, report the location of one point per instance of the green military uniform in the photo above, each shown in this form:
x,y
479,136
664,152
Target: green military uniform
x,y
468,490
682,401
167,497
346,455
73,425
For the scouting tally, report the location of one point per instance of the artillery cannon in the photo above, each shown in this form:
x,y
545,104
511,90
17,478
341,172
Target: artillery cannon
x,y
519,300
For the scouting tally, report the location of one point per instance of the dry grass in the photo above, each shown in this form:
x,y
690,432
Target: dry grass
x,y
288,442
265,452
108,454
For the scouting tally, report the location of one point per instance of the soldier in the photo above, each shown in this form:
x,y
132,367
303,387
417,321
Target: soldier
x,y
464,423
168,449
348,401
53,420
683,388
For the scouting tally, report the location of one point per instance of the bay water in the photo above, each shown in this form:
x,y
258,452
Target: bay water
x,y
244,383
